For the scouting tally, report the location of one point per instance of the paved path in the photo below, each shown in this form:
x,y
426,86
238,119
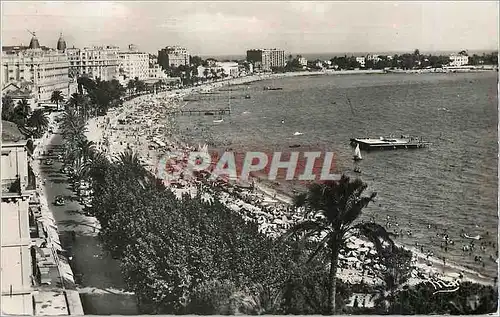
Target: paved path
x,y
98,275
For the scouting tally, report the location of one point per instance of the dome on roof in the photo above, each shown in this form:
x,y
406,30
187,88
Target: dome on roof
x,y
34,42
61,43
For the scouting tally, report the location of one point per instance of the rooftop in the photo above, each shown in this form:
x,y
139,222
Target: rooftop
x,y
11,133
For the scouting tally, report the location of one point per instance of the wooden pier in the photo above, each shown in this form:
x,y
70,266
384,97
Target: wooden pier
x,y
206,96
207,112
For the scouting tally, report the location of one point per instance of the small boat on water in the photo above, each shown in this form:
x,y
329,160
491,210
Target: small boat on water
x,y
272,88
389,143
247,97
294,146
476,237
209,113
357,154
357,170
298,133
219,120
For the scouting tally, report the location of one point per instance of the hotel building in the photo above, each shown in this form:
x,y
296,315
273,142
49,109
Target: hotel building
x,y
45,69
132,64
459,60
173,56
266,59
94,62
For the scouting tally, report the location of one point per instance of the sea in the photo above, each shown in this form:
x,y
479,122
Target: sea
x,y
449,188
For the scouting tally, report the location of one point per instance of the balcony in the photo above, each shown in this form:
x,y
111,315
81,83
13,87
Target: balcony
x,y
11,186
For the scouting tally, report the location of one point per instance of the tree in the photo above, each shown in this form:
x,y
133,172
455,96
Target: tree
x,y
21,112
196,61
331,209
39,121
130,86
395,272
7,108
76,101
57,97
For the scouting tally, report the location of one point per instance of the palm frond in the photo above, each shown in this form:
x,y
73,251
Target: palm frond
x,y
375,234
302,227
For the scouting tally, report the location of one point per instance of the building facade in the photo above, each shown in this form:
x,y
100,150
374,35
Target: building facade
x,y
459,60
173,56
16,274
374,58
94,62
302,61
47,71
266,59
361,60
230,68
133,64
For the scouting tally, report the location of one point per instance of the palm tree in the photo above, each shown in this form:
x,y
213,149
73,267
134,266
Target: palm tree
x,y
131,163
39,121
258,301
76,101
57,97
21,112
7,108
130,86
331,209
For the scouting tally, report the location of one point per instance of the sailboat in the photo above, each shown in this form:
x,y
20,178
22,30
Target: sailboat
x,y
357,154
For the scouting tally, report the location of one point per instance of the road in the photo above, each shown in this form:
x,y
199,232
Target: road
x,y
96,273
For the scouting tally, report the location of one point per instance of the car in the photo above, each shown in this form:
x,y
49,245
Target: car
x,y
49,162
85,192
64,170
84,186
59,201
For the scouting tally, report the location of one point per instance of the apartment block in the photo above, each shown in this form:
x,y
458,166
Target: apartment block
x,y
266,59
94,62
173,56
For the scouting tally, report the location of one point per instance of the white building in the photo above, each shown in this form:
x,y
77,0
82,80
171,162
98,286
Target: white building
x,y
17,273
373,57
361,60
459,60
133,64
230,68
94,62
47,70
302,61
155,71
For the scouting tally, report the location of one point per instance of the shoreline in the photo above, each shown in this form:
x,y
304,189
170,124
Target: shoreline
x,y
451,270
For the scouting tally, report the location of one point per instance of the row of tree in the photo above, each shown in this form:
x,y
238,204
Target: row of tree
x,y
403,61
199,257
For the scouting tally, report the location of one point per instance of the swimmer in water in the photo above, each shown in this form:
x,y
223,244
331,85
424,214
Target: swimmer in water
x,y
282,121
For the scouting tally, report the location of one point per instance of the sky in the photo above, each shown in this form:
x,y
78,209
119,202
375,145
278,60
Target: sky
x,y
230,28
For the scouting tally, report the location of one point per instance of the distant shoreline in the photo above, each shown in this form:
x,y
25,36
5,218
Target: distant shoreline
x,y
330,72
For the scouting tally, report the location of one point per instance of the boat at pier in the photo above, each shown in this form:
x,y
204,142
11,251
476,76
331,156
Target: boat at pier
x,y
272,88
389,143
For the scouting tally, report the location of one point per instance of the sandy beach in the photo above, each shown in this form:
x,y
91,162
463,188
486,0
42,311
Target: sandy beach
x,y
146,120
